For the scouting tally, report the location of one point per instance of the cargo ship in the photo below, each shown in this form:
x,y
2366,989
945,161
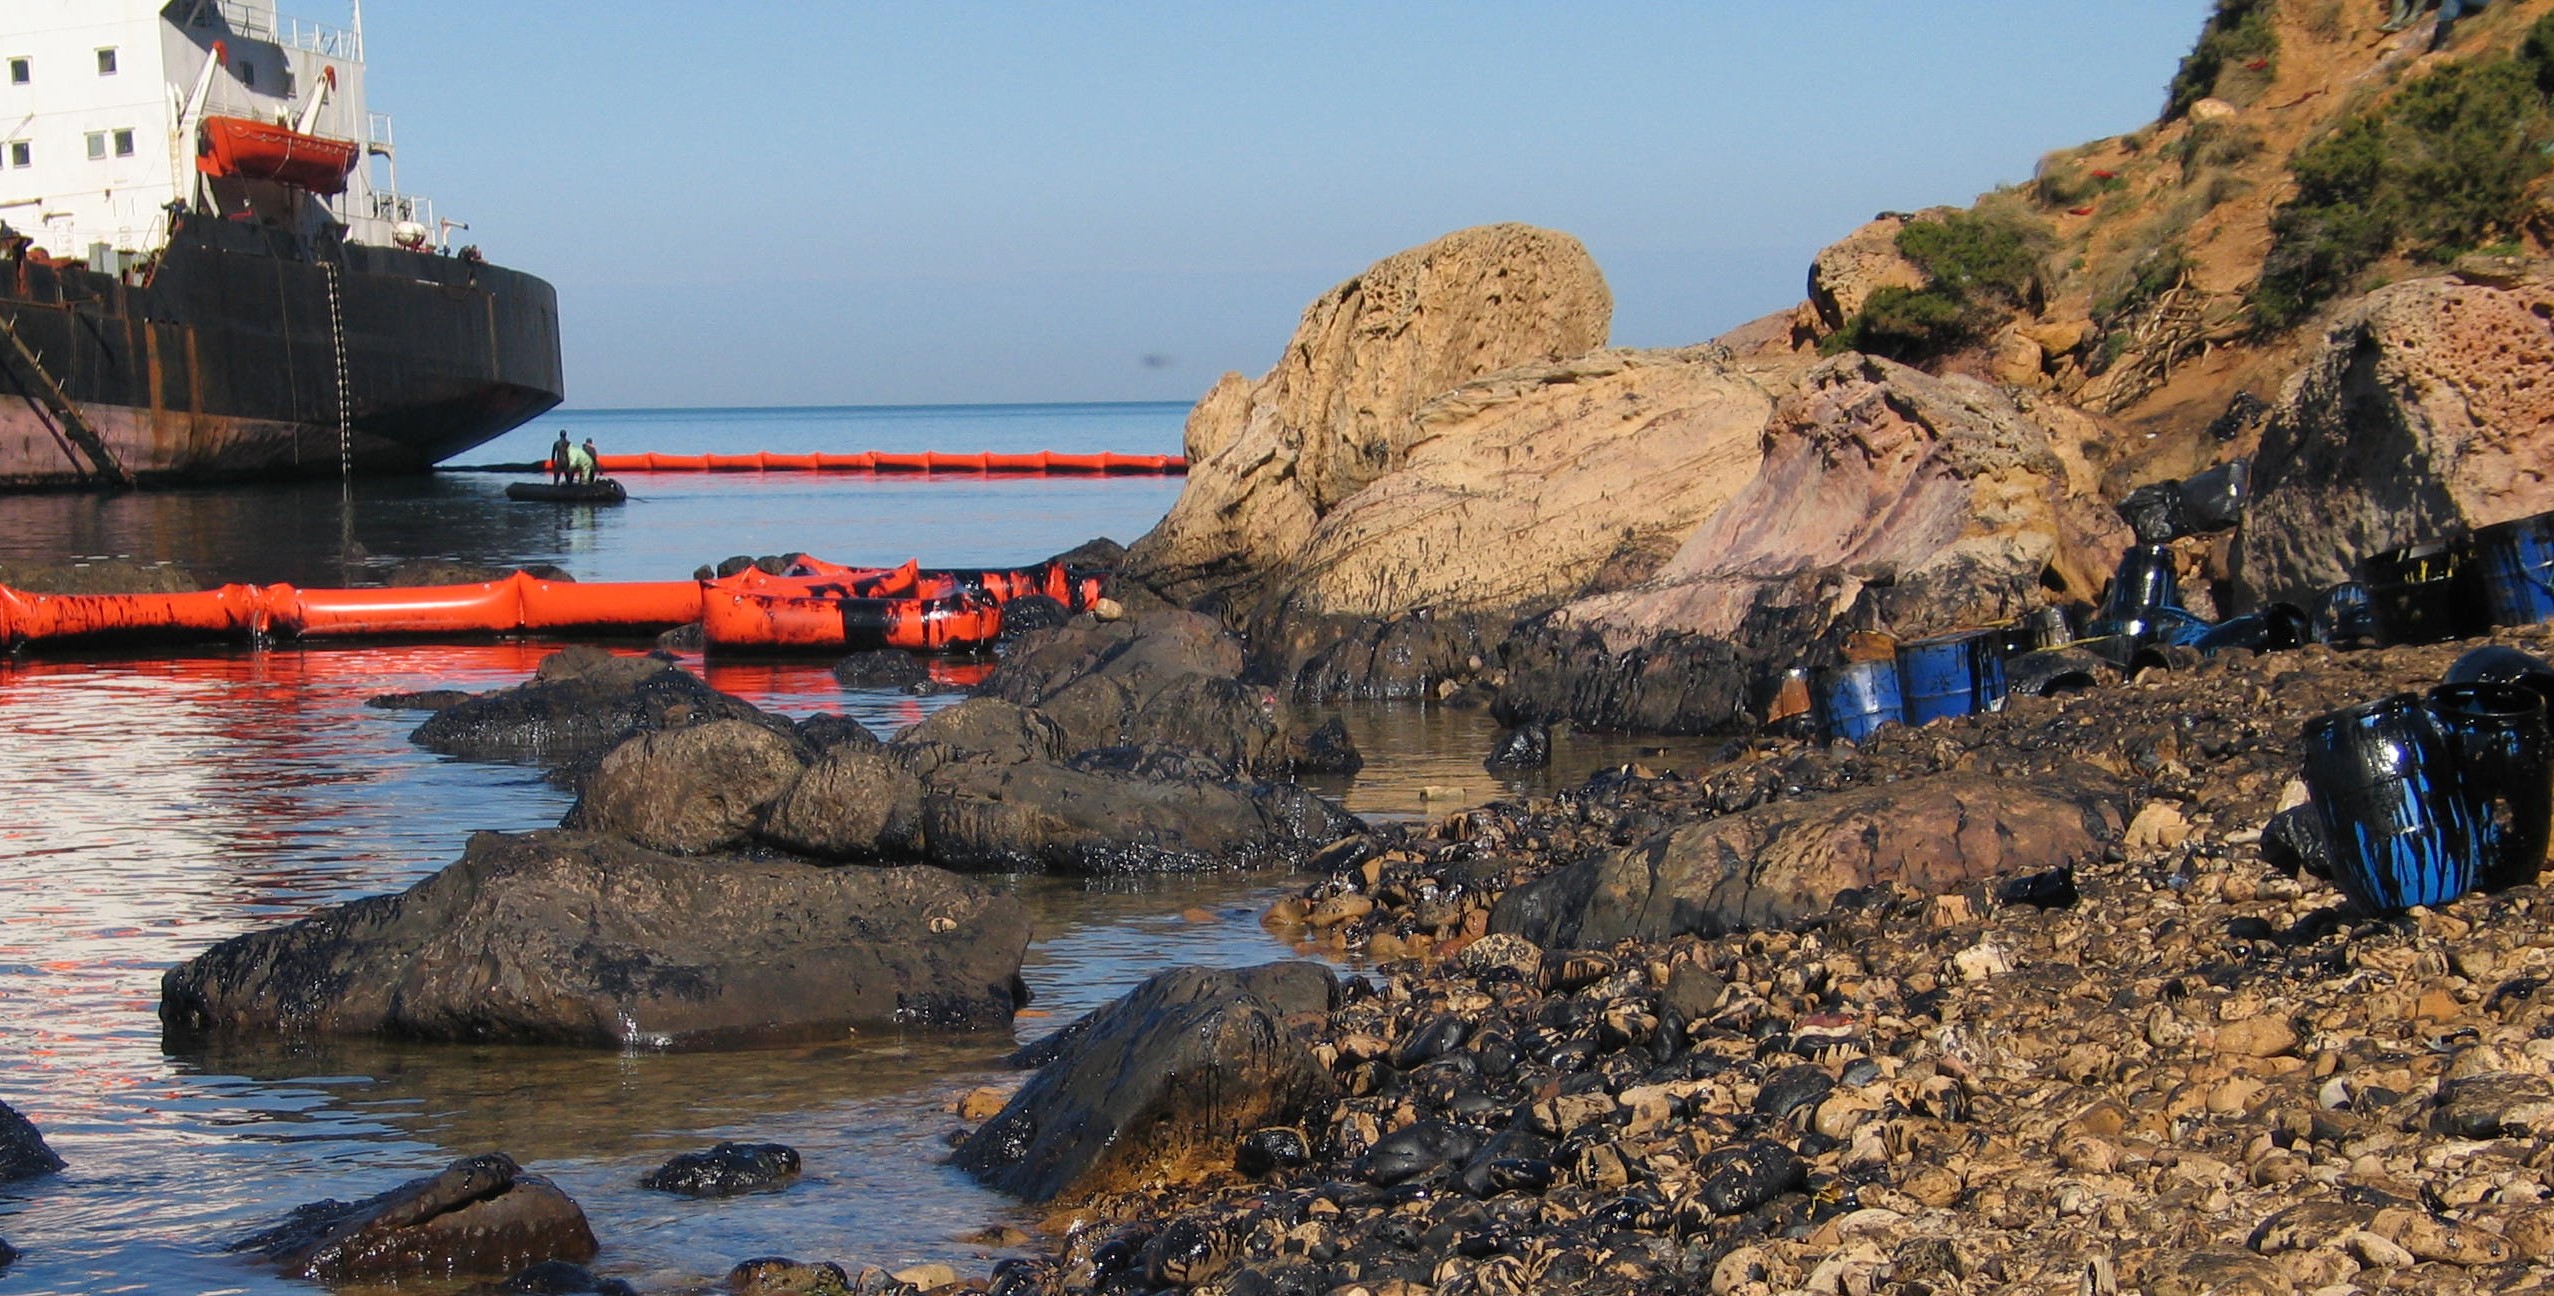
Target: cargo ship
x,y
209,273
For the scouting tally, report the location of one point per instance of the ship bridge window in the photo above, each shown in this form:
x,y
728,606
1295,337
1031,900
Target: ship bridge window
x,y
21,153
124,143
21,71
97,144
247,73
106,61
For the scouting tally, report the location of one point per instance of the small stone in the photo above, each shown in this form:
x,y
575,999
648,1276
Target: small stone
x,y
2158,826
2500,1105
928,1277
1277,1147
1981,962
2257,1037
1339,909
1506,951
1739,1179
981,1104
1108,609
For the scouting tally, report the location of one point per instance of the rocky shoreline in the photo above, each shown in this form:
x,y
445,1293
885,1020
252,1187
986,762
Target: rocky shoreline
x,y
2167,1061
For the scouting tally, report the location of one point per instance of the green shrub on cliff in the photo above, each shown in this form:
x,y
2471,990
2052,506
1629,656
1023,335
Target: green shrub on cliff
x,y
2442,167
1977,265
2237,35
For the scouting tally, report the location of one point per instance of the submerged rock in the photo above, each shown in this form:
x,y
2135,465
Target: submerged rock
x,y
1162,1083
23,1153
568,938
479,1215
582,702
726,1170
1119,810
556,1278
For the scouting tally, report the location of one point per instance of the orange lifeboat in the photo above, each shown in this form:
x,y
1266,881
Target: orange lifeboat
x,y
255,150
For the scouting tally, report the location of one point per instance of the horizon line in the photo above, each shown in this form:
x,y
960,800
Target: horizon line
x,y
893,405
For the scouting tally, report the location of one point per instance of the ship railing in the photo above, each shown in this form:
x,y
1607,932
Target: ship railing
x,y
377,134
294,33
392,208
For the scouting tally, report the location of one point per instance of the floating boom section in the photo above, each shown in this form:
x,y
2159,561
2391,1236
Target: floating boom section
x,y
827,606
773,622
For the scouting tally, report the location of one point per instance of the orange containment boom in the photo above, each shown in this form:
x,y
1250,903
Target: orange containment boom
x,y
817,604
769,621
1038,463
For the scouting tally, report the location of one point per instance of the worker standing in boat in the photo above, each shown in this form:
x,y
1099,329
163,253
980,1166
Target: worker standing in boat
x,y
593,460
559,451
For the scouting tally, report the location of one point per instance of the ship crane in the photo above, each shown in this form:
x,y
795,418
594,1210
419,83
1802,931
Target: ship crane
x,y
318,100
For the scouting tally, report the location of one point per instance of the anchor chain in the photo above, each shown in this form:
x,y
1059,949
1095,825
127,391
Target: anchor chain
x,y
337,343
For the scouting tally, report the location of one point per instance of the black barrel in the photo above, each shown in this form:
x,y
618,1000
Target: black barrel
x,y
2427,592
2496,664
2505,760
2143,596
2395,815
2344,615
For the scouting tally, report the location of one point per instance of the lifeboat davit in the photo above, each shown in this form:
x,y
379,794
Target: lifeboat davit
x,y
255,150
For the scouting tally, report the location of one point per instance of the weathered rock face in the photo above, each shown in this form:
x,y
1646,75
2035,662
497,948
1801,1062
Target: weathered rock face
x,y
1334,415
1777,864
1528,488
23,1153
978,731
581,703
480,1215
691,790
1525,487
1160,1084
853,803
1119,810
1844,274
556,937
1888,500
2421,415
1165,677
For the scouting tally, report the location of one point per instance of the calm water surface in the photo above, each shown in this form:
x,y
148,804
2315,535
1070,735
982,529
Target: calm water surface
x,y
155,806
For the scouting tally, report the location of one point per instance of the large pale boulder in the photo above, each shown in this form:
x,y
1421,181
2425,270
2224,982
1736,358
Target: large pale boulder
x,y
2423,413
1888,499
1334,414
1524,487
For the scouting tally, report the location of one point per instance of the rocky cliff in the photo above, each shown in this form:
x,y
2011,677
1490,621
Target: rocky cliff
x,y
1447,487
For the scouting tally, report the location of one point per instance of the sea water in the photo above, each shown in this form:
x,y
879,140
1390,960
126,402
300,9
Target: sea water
x,y
158,803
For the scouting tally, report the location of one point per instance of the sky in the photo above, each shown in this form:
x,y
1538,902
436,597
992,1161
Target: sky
x,y
947,201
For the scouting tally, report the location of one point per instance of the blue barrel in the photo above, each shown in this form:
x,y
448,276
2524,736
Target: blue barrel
x,y
1858,697
2518,569
1952,674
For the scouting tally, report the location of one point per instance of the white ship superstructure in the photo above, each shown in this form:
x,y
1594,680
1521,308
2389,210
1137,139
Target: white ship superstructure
x,y
115,112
